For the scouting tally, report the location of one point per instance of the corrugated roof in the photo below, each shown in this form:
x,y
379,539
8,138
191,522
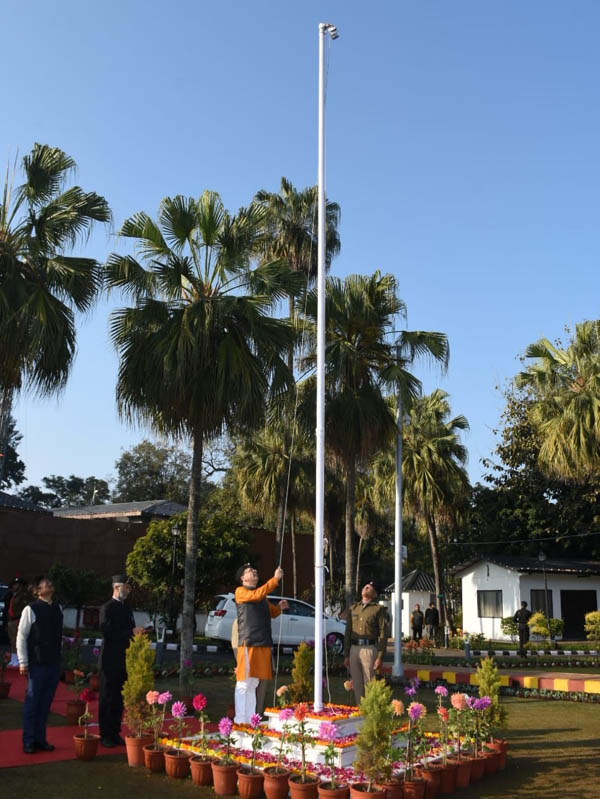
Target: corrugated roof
x,y
415,580
150,507
9,501
533,564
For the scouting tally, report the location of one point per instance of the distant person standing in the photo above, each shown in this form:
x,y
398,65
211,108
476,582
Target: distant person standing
x,y
19,599
39,641
118,627
432,621
416,622
522,617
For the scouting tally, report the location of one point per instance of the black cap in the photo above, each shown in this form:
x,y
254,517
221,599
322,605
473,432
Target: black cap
x,y
241,570
120,578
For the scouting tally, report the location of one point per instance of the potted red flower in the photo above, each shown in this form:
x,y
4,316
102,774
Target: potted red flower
x,y
86,744
200,765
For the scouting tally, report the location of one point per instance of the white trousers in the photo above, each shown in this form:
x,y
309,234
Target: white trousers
x,y
245,696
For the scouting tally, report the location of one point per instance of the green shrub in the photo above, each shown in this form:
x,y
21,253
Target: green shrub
x,y
510,627
301,688
139,661
489,685
373,740
592,625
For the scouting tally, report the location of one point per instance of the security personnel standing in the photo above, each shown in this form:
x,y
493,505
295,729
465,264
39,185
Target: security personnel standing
x,y
522,617
366,639
118,626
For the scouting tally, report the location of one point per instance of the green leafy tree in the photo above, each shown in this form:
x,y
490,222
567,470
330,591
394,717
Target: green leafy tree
x,y
153,471
358,364
566,402
12,470
68,492
41,287
79,587
199,350
223,540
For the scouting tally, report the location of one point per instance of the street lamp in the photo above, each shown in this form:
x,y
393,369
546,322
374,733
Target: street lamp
x,y
542,560
175,531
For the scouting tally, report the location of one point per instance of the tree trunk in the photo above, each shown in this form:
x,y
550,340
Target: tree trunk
x,y
349,533
280,518
357,576
436,565
6,401
191,556
293,537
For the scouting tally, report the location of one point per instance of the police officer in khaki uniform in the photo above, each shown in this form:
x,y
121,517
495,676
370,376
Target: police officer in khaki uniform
x,y
366,639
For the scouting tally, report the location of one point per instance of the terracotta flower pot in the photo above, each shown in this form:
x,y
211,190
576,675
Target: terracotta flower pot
x,y
86,748
276,782
414,789
448,777
177,764
201,769
477,767
250,784
500,745
135,748
75,709
154,758
94,682
69,677
463,772
4,689
432,776
224,778
492,761
358,790
327,792
393,789
303,790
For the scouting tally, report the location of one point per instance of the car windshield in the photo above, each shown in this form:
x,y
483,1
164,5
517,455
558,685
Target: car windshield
x,y
218,602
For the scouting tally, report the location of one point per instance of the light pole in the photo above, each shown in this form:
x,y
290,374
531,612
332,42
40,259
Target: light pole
x,y
398,668
175,531
542,560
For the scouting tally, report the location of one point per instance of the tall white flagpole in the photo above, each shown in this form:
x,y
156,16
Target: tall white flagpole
x,y
398,669
324,28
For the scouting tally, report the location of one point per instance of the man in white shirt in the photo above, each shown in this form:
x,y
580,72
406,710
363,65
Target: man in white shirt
x,y
39,641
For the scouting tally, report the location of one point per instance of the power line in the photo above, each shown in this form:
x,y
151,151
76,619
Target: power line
x,y
520,540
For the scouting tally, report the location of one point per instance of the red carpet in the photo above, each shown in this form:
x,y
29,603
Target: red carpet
x,y
11,741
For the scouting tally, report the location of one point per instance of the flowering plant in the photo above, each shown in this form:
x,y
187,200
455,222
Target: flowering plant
x,y
301,736
442,692
258,738
79,681
479,707
286,714
179,712
282,695
199,703
225,727
459,718
415,736
156,719
348,685
87,696
329,732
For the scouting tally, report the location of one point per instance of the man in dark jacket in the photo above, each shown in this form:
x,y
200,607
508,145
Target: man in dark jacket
x,y
255,642
416,622
118,627
39,641
522,617
432,621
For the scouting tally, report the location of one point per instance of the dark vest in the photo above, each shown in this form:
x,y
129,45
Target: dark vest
x,y
254,623
45,637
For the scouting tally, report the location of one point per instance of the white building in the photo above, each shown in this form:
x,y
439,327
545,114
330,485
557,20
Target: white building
x,y
418,588
493,588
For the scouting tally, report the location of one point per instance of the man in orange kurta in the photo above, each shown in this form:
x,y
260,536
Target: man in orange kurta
x,y
255,642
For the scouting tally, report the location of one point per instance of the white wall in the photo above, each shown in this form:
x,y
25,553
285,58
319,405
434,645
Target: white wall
x,y
557,583
409,600
489,577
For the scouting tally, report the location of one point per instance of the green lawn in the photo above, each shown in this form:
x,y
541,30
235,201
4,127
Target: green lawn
x,y
554,754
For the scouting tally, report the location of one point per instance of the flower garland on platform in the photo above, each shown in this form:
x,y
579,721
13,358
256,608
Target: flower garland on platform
x,y
330,712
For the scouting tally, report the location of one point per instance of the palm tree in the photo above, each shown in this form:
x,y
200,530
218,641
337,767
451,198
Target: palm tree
x,y
435,481
358,362
41,286
565,410
199,351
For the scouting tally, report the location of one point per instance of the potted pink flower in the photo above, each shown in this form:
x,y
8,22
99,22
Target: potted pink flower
x,y
276,777
200,765
177,761
224,769
328,732
153,753
250,783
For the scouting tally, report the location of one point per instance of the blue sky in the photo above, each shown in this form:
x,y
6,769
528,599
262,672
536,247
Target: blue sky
x,y
462,147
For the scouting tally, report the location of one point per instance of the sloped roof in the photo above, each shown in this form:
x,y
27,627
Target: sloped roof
x,y
16,503
147,509
415,580
532,564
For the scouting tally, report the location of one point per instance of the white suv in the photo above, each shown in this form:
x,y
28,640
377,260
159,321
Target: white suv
x,y
293,626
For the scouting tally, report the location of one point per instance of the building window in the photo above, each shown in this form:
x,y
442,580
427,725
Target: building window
x,y
489,604
538,602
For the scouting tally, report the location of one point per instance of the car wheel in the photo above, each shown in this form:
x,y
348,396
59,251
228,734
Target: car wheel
x,y
337,645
